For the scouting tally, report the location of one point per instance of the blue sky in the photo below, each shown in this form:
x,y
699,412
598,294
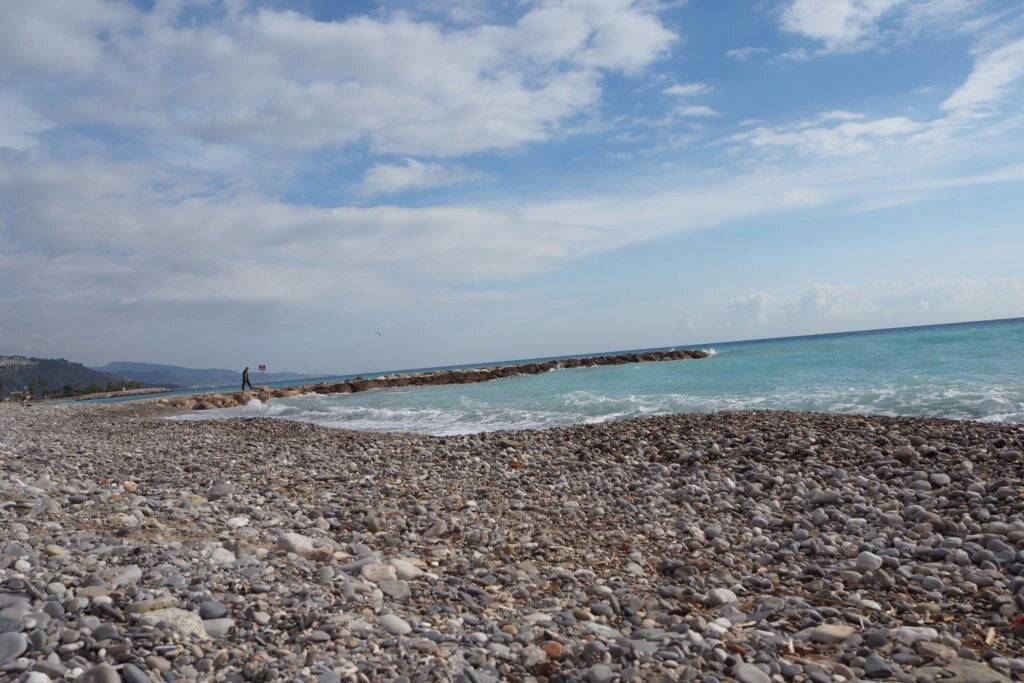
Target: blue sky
x,y
227,183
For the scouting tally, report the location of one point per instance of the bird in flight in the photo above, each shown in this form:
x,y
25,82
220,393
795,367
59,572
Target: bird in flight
x,y
379,334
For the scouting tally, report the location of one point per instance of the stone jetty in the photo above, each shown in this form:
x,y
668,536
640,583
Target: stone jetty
x,y
468,376
752,546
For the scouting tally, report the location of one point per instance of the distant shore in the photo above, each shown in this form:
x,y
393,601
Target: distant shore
x,y
125,392
747,546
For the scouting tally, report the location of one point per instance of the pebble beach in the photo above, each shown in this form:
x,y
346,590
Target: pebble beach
x,y
748,546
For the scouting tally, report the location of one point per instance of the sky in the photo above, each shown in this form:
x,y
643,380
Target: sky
x,y
332,187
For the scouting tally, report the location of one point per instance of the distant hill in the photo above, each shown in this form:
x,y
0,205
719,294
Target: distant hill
x,y
51,375
166,375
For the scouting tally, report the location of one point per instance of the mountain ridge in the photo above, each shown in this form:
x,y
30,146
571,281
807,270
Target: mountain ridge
x,y
163,374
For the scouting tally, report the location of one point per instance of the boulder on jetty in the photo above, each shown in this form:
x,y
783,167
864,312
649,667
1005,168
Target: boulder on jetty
x,y
469,376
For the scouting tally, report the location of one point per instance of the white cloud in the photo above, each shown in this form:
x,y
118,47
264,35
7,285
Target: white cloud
x,y
822,300
695,110
744,53
413,174
753,308
687,89
682,91
850,136
839,24
988,82
19,125
851,25
830,307
41,38
279,79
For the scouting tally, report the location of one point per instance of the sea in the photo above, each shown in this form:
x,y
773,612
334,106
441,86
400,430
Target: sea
x,y
969,371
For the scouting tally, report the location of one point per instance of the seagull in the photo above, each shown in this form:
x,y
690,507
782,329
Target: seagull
x,y
379,334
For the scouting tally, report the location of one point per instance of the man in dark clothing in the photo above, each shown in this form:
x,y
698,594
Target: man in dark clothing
x,y
245,379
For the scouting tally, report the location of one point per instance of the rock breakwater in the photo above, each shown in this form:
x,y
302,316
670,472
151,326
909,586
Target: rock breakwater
x,y
755,547
469,376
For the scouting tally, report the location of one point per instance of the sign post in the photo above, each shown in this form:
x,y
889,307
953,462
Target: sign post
x,y
263,368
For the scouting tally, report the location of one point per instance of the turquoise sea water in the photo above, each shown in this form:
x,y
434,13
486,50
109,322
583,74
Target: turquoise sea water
x,y
968,371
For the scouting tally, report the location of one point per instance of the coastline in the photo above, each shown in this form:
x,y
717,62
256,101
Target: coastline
x,y
748,545
210,400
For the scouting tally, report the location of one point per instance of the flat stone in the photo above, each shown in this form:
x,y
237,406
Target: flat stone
x,y
911,634
12,646
184,623
378,572
105,632
721,596
222,556
101,673
404,570
11,625
394,589
748,673
868,562
303,547
218,628
876,667
600,673
133,674
963,671
395,625
831,633
126,576
143,606
212,609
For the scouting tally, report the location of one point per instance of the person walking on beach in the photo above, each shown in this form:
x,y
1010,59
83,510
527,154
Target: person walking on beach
x,y
245,379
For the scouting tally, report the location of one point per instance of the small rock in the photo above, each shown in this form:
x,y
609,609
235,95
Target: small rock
x,y
876,667
748,673
303,547
101,673
394,589
133,674
404,570
378,572
721,596
12,646
184,623
831,633
395,625
868,562
211,609
218,628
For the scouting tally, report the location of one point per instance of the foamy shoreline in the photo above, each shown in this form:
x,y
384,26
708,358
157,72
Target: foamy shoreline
x,y
210,400
754,546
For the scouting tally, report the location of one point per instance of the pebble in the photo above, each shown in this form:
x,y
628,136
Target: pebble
x,y
212,609
868,562
721,596
395,624
748,673
12,646
831,633
101,673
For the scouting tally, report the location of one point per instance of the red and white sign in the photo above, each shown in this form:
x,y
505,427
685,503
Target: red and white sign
x,y
263,368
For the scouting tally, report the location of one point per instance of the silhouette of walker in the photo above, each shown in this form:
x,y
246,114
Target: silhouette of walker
x,y
245,379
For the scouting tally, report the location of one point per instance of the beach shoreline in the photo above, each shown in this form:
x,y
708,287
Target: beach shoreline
x,y
209,400
754,546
